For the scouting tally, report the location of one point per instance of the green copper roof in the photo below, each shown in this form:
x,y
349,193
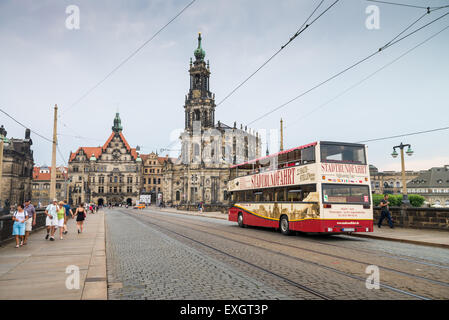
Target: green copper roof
x,y
117,127
199,52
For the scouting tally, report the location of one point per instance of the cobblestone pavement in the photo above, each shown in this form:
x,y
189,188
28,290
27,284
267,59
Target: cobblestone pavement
x,y
158,255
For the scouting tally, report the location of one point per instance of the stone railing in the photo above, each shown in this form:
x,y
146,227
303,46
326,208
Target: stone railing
x,y
206,207
6,224
419,218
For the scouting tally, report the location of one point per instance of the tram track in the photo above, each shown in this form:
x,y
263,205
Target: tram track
x,y
437,282
291,282
331,269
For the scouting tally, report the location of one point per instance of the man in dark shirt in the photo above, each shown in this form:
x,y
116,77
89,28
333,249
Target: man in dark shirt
x,y
385,213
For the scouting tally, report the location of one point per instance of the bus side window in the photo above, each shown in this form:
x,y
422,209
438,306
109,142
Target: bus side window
x,y
280,194
258,196
268,195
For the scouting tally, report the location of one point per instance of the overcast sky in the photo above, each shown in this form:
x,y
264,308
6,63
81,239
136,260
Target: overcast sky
x,y
43,63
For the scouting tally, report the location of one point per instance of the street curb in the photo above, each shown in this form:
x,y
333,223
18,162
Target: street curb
x,y
95,284
430,244
194,214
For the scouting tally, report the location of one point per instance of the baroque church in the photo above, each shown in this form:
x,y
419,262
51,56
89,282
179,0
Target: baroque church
x,y
208,148
106,174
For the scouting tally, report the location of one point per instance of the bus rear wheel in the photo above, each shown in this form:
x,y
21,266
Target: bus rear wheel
x,y
240,220
284,226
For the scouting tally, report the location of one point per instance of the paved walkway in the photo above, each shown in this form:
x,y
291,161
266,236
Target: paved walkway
x,y
428,237
38,270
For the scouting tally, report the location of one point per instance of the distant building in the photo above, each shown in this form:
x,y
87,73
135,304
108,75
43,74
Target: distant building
x,y
152,175
106,174
389,181
433,185
17,170
40,192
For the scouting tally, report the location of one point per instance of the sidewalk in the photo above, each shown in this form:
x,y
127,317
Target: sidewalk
x,y
425,237
428,237
38,270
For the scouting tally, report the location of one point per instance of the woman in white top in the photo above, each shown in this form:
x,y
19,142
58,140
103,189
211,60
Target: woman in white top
x,y
18,229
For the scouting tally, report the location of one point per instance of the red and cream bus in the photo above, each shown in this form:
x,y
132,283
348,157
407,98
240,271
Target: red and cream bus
x,y
320,187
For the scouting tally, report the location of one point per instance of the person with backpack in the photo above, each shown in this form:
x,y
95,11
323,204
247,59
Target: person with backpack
x,y
18,229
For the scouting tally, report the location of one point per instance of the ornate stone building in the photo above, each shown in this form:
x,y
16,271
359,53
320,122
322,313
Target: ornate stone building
x,y
201,172
107,174
40,193
389,181
17,170
152,177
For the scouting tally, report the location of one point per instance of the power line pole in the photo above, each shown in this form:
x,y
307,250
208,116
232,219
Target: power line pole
x,y
282,137
53,157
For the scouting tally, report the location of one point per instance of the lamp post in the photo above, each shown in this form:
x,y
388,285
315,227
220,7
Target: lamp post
x,y
394,154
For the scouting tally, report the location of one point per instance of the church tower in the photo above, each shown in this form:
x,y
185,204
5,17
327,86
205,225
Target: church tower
x,y
199,102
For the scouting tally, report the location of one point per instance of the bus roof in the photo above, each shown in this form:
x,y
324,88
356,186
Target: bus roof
x,y
274,155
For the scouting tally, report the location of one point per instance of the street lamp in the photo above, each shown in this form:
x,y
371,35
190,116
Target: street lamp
x,y
409,152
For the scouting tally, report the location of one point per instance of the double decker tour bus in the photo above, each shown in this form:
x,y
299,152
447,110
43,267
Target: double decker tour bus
x,y
321,187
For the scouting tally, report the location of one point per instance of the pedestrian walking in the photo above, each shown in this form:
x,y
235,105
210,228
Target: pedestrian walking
x,y
385,212
68,215
61,218
51,222
31,211
200,207
18,229
80,216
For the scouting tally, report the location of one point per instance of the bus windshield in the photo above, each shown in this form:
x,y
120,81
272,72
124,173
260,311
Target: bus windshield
x,y
343,153
345,194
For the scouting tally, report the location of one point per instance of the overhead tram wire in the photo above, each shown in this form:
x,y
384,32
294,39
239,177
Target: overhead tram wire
x,y
369,76
36,133
389,44
303,27
128,58
407,5
404,135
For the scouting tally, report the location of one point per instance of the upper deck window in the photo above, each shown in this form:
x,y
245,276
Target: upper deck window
x,y
343,153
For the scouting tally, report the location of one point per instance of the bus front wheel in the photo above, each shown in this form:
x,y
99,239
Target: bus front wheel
x,y
284,226
240,220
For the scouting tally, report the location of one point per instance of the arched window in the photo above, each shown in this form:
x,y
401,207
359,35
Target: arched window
x,y
178,195
197,115
437,202
398,184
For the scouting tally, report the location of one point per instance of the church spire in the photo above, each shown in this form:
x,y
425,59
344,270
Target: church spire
x,y
117,127
199,52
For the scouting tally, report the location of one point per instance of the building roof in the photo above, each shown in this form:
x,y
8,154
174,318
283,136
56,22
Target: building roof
x,y
436,177
98,151
161,160
43,176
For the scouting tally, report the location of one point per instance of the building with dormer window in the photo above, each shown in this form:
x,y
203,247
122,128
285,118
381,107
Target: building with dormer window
x,y
108,174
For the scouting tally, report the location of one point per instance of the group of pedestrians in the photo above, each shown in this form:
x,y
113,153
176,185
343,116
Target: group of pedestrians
x,y
57,216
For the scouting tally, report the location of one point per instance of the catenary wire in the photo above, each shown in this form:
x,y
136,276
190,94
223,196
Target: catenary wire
x,y
404,135
127,58
345,70
369,76
36,133
303,27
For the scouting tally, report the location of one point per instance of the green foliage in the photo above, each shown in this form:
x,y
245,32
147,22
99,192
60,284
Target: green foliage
x,y
416,200
396,199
